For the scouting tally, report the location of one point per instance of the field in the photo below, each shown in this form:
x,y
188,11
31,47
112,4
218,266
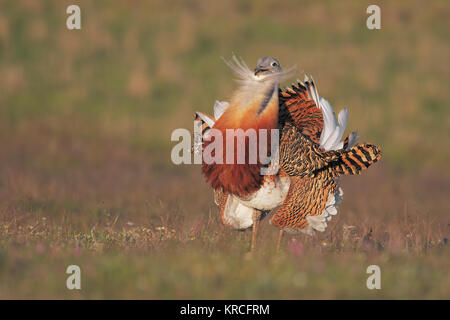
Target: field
x,y
85,171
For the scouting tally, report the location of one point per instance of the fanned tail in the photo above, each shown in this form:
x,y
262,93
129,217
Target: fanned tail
x,y
352,161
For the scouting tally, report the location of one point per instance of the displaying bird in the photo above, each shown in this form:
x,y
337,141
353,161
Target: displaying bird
x,y
312,155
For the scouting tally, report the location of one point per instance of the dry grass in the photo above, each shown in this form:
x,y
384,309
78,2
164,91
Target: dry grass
x,y
85,171
139,230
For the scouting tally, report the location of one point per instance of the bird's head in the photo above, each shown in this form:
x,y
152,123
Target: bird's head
x,y
266,66
267,70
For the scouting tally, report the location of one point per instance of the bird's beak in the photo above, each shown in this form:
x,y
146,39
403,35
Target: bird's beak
x,y
259,70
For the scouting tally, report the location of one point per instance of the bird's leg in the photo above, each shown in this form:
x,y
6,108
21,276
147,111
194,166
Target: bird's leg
x,y
280,236
256,216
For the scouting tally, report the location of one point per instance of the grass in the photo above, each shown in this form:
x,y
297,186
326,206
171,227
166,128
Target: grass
x,y
85,171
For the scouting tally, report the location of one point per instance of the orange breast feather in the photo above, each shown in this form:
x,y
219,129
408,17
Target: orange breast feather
x,y
241,179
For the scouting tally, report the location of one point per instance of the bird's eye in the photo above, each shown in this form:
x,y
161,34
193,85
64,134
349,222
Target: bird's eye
x,y
274,64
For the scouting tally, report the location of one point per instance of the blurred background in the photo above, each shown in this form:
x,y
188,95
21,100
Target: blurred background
x,y
85,170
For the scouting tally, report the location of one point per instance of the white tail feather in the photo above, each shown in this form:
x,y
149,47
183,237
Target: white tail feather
x,y
333,128
352,138
219,108
320,222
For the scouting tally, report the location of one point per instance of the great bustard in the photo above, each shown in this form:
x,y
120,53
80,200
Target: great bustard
x,y
312,155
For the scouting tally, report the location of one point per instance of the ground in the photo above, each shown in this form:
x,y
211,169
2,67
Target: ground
x,y
85,170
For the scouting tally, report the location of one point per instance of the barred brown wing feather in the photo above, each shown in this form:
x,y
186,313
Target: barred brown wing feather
x,y
306,197
299,156
297,108
355,160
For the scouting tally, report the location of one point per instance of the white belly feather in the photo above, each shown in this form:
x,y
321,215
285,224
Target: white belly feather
x,y
238,212
270,195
